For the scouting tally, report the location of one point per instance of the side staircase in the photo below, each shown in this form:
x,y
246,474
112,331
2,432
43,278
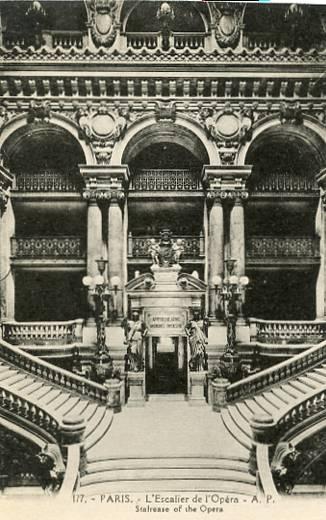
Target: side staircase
x,y
237,416
57,400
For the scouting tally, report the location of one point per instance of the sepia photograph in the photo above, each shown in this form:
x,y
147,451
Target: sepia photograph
x,y
162,259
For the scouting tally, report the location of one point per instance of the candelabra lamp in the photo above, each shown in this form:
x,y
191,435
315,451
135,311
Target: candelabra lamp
x,y
229,293
102,291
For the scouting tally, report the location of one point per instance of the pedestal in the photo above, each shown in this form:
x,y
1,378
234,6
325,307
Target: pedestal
x,y
136,384
114,394
197,382
218,393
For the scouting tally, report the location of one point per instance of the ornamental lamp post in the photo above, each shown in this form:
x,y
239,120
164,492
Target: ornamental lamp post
x,y
101,291
230,289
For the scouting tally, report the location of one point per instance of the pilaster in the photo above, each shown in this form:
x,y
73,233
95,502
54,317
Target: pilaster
x,y
320,230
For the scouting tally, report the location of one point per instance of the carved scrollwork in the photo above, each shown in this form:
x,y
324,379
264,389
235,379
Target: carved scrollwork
x,y
39,112
228,126
291,113
103,22
227,18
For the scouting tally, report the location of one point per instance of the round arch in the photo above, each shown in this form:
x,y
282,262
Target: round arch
x,y
129,6
148,131
310,132
17,125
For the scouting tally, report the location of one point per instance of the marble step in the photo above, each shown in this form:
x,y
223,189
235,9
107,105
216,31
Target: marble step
x,y
168,486
234,430
162,474
100,431
169,462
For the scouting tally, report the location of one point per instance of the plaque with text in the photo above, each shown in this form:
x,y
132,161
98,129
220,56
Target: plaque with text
x,y
166,322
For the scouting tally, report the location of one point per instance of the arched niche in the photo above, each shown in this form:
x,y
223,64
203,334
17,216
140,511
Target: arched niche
x,y
188,16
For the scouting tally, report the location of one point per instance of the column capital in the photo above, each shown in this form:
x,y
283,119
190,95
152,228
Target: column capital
x,y
104,189
236,196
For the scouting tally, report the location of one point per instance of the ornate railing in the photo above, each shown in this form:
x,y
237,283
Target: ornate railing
x,y
263,41
47,247
140,40
29,411
280,372
66,39
153,40
282,247
14,38
309,405
46,181
193,247
189,40
51,373
269,331
42,333
165,180
284,182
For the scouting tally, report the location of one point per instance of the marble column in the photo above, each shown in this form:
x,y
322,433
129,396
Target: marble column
x,y
115,251
237,236
7,278
320,230
216,249
94,247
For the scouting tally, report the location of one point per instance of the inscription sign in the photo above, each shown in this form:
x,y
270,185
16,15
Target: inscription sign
x,y
166,322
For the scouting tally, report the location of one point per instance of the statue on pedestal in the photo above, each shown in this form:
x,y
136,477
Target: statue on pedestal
x,y
197,342
166,252
135,332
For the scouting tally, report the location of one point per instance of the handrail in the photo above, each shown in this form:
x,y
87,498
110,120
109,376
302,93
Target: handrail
x,y
264,472
52,373
72,472
270,376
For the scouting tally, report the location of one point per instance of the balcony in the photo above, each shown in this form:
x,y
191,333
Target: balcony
x,y
194,248
165,180
151,41
287,332
264,249
46,181
66,249
42,333
52,39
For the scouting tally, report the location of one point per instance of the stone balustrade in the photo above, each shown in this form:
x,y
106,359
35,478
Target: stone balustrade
x,y
51,373
280,372
42,333
45,181
141,40
188,40
165,180
193,246
282,247
287,332
40,247
64,39
28,410
263,41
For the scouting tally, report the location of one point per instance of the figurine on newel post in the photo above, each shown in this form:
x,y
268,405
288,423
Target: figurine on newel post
x,y
135,333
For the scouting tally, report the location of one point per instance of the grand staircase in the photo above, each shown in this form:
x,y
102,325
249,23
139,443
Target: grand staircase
x,y
168,446
57,400
236,417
